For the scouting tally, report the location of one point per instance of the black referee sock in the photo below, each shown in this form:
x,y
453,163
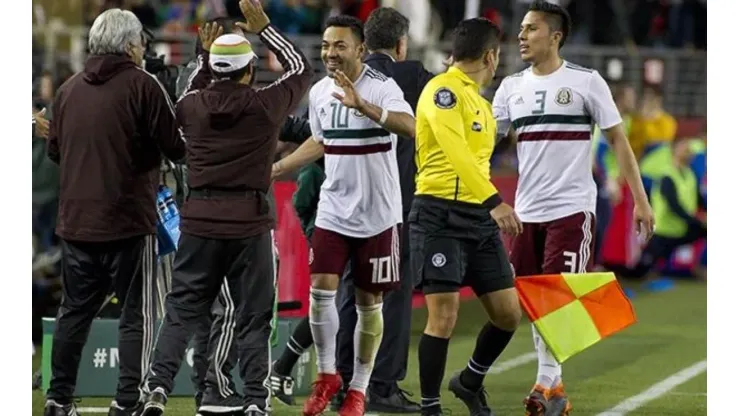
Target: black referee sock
x,y
490,344
432,360
298,343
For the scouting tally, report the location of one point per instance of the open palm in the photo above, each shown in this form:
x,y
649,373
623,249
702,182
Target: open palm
x,y
350,99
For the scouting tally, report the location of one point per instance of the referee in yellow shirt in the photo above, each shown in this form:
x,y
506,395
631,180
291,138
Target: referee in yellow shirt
x,y
456,216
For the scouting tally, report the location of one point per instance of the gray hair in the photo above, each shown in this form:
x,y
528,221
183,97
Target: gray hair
x,y
112,31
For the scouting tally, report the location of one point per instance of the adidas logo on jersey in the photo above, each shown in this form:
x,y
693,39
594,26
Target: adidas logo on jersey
x,y
519,100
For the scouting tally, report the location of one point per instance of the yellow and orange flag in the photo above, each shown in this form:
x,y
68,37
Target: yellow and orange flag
x,y
574,311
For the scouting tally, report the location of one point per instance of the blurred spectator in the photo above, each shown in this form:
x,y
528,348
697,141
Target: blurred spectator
x,y
315,12
419,15
676,202
290,16
649,22
687,24
45,176
144,10
179,15
652,125
652,128
606,172
450,12
699,162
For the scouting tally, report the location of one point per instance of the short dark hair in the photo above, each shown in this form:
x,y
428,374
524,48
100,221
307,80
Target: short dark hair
x,y
384,28
558,19
226,22
473,37
351,22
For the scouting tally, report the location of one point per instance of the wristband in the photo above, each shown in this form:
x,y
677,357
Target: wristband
x,y
383,117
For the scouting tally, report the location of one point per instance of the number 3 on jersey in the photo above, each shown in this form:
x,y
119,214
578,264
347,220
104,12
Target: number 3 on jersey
x,y
540,102
339,116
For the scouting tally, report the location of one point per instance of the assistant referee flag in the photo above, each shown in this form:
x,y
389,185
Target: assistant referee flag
x,y
574,311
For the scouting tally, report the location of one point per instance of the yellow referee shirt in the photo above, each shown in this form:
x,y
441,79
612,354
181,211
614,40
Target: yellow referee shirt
x,y
455,136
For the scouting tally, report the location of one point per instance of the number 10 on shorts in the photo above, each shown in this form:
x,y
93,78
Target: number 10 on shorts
x,y
383,270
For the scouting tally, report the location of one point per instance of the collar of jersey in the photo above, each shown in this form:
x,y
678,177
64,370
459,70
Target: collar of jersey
x,y
460,75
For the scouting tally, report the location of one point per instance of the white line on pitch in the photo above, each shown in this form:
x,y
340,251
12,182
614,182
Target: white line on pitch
x,y
656,390
512,363
92,409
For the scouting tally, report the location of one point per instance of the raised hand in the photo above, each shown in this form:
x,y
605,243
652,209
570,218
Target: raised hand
x,y
209,33
255,16
350,99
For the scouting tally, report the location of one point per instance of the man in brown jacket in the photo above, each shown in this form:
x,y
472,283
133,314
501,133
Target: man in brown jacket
x,y
112,123
232,132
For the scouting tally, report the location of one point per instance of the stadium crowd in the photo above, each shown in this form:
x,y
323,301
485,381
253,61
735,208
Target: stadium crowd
x,y
665,156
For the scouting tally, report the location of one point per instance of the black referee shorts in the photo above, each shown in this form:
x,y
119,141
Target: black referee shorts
x,y
455,244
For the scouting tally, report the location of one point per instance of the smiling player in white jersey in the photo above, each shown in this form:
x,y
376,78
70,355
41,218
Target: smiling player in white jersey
x,y
355,114
551,107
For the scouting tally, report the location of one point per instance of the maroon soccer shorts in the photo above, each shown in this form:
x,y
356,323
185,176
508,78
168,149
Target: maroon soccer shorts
x,y
376,259
564,245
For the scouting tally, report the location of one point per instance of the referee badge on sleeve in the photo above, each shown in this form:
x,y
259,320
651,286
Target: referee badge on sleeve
x,y
444,98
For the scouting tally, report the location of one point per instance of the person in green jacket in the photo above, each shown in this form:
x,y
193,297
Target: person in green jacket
x,y
676,201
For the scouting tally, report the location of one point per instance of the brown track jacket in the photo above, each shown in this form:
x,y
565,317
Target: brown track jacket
x,y
111,121
231,132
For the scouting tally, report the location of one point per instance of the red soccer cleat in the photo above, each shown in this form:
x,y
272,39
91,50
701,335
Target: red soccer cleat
x,y
353,405
324,388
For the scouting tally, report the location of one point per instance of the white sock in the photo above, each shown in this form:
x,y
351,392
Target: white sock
x,y
549,371
324,320
368,336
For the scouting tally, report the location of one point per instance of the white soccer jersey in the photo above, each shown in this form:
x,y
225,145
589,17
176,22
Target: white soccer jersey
x,y
361,195
553,117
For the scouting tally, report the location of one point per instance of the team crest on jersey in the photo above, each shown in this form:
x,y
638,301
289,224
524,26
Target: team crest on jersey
x,y
477,127
444,98
564,96
357,113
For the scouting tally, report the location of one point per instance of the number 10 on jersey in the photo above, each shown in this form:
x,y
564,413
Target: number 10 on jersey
x,y
382,270
339,116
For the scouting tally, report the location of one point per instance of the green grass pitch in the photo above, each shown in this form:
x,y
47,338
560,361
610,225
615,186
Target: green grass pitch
x,y
670,335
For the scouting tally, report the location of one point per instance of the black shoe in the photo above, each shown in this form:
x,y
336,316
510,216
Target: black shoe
x,y
397,402
116,410
254,410
155,403
282,387
52,408
338,399
474,400
214,403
